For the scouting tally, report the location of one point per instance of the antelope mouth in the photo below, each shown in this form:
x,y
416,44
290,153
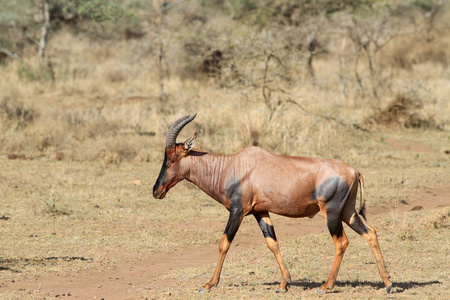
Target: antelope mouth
x,y
159,195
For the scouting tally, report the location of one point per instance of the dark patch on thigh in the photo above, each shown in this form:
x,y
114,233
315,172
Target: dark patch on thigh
x,y
234,193
358,225
331,188
335,191
267,230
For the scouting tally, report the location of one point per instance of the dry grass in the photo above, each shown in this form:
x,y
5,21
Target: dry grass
x,y
408,225
62,218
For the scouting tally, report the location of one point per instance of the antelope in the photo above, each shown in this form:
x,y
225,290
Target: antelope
x,y
257,182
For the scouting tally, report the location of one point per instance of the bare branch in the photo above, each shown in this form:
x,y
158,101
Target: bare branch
x,y
265,87
31,39
160,70
166,6
10,54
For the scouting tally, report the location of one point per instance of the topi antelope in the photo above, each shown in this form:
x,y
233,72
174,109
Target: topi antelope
x,y
257,182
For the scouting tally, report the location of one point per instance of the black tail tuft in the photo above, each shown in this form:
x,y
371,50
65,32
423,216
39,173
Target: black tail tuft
x,y
362,211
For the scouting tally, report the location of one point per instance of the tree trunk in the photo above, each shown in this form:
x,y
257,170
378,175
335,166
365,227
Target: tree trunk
x,y
44,33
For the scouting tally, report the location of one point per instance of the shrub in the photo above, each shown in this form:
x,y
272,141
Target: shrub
x,y
15,115
405,112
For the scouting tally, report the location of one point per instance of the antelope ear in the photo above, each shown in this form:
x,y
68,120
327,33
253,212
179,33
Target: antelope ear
x,y
189,143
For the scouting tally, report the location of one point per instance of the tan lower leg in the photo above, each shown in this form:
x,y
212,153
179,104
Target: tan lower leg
x,y
340,245
372,239
223,249
274,247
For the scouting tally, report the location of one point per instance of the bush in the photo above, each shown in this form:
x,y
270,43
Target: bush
x,y
14,115
405,112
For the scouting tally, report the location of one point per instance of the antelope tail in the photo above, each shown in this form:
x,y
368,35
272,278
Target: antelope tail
x,y
362,202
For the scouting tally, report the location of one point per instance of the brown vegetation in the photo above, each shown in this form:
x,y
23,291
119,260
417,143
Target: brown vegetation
x,y
405,112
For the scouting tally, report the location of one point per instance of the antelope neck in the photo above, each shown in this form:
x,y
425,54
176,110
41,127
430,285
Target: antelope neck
x,y
207,171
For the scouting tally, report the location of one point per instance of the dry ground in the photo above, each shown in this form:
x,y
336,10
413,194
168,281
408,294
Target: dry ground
x,y
90,230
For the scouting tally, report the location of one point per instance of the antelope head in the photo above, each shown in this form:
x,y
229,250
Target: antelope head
x,y
172,171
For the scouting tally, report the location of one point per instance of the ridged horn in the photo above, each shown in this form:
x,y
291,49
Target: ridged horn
x,y
175,129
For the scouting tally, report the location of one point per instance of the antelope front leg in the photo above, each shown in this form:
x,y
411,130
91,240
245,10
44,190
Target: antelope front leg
x,y
265,223
234,221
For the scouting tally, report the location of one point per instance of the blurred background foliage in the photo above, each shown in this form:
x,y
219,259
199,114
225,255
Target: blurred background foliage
x,y
288,71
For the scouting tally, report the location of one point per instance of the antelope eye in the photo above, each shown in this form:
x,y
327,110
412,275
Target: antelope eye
x,y
168,164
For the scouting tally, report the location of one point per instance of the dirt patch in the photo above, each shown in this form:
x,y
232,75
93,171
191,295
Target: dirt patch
x,y
407,146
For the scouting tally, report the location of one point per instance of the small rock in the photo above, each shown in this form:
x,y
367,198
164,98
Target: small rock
x,y
59,156
11,156
417,208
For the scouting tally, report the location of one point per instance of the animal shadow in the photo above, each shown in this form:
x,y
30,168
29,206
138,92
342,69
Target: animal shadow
x,y
398,287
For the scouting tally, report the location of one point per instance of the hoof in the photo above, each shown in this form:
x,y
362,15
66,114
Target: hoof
x,y
389,288
324,289
203,290
279,291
